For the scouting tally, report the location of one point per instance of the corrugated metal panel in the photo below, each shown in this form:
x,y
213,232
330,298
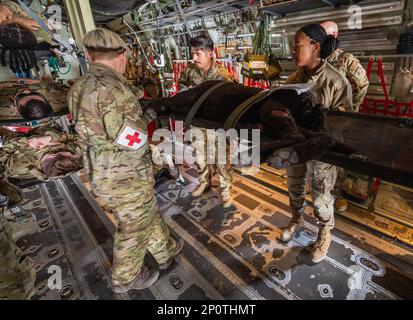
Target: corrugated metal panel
x,y
338,14
376,19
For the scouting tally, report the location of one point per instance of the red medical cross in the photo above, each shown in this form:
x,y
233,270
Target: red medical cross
x,y
133,139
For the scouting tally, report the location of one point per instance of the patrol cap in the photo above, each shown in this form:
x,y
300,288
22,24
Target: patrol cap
x,y
102,39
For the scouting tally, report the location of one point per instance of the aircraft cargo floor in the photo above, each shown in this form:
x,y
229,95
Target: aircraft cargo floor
x,y
229,253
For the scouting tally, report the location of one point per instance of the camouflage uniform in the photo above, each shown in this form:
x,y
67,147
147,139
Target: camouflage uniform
x,y
17,272
103,107
206,171
21,161
194,76
330,88
333,91
350,67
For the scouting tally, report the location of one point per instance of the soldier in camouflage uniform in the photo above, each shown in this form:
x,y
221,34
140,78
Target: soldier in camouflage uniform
x,y
194,74
45,154
203,69
207,170
350,67
333,91
113,134
17,272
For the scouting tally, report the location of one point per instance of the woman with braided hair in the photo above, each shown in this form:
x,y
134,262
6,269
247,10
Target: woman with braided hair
x,y
312,47
17,45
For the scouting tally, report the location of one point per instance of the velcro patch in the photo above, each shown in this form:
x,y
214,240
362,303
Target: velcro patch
x,y
132,138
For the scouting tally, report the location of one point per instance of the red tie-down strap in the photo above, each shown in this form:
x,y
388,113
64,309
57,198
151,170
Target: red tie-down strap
x,y
262,84
235,72
151,127
376,185
266,84
381,76
178,69
17,129
385,106
175,84
250,83
232,71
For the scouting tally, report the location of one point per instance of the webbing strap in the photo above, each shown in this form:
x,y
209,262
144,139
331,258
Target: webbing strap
x,y
199,103
234,117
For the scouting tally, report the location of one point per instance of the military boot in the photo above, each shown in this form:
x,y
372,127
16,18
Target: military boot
x,y
296,224
320,248
200,189
226,199
144,279
341,205
179,246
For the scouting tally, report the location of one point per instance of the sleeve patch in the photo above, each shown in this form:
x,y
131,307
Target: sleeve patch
x,y
132,138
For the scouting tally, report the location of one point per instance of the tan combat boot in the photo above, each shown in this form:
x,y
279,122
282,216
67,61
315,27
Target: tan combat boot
x,y
144,279
341,205
179,246
200,189
226,199
320,248
296,224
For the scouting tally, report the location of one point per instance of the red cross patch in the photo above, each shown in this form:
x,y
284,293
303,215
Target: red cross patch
x,y
132,138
